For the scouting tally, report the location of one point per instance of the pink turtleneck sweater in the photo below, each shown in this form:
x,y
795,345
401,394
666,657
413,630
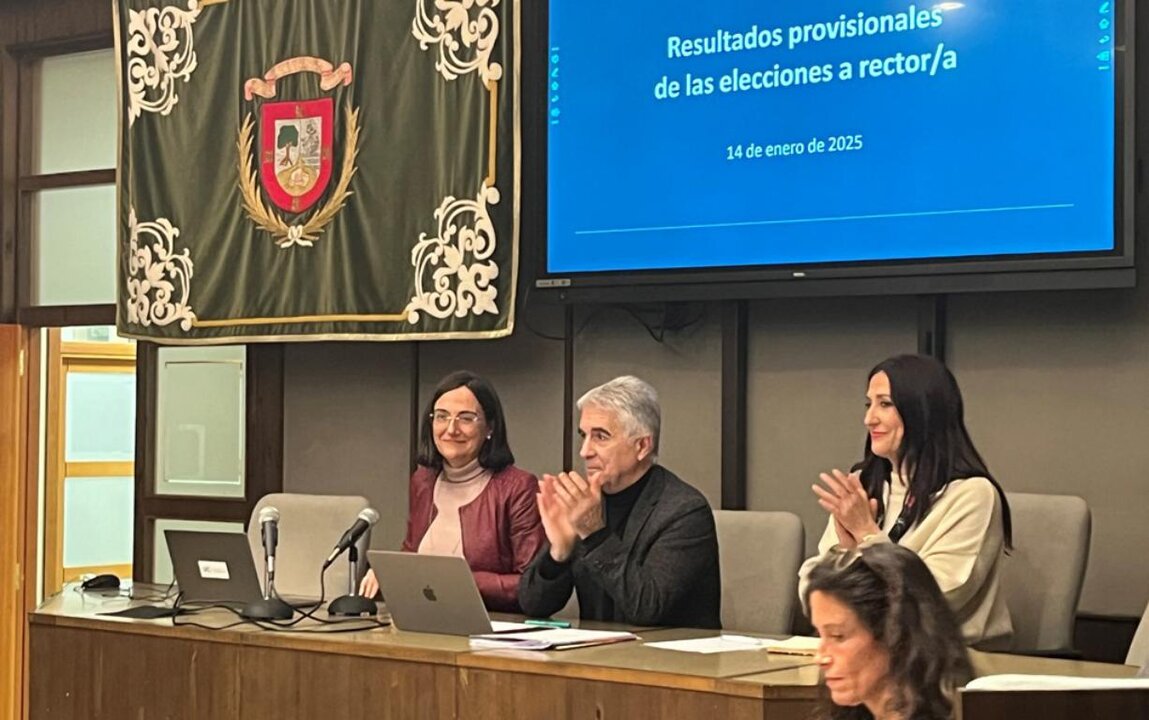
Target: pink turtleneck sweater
x,y
454,488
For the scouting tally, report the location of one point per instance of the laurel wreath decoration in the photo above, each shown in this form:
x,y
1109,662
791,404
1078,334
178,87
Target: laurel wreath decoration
x,y
303,235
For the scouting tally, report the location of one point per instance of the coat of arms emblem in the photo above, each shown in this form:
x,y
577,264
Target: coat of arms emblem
x,y
296,154
295,151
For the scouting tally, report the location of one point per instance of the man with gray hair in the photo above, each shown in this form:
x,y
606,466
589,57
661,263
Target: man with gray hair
x,y
636,543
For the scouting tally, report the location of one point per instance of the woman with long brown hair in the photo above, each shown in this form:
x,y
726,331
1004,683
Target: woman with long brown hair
x,y
891,648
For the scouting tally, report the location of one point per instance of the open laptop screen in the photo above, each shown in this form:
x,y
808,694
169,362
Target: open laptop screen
x,y
213,567
430,593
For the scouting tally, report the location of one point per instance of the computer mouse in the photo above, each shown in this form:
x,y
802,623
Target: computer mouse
x,y
107,581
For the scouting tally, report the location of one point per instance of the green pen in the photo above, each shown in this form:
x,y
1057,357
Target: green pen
x,y
548,623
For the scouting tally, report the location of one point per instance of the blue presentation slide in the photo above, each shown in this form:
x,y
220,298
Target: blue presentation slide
x,y
735,133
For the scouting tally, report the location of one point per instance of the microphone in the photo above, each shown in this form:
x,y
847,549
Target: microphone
x,y
271,607
366,519
269,530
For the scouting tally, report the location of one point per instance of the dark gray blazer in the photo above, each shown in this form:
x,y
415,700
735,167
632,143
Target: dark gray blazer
x,y
663,571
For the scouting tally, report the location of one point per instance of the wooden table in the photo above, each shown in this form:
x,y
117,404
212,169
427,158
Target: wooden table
x,y
1051,704
84,665
91,667
628,680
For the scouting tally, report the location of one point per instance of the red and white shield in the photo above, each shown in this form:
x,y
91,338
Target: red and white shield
x,y
295,151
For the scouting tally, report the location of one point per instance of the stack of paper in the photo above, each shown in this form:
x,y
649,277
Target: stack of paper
x,y
502,626
735,643
797,645
1055,682
709,645
550,639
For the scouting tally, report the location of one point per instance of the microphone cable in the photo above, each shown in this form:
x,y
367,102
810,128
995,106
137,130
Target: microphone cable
x,y
327,625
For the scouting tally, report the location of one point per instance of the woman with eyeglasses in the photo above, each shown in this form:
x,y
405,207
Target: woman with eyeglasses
x,y
890,647
467,498
923,485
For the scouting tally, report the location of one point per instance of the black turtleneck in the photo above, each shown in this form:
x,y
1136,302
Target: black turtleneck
x,y
674,583
616,511
616,508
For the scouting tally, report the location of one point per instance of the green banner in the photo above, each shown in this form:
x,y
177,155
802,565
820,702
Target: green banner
x,y
317,169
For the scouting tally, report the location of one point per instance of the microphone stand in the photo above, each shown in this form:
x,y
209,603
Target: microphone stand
x,y
352,603
271,607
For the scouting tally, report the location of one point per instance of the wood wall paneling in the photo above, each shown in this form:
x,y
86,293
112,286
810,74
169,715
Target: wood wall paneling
x,y
108,676
351,687
1104,639
30,29
735,342
12,572
9,175
932,326
30,482
80,178
89,668
484,693
263,458
1054,706
147,363
25,22
54,468
67,315
568,388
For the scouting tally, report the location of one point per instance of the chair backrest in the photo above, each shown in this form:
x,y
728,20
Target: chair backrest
x,y
1139,650
1044,572
309,527
759,555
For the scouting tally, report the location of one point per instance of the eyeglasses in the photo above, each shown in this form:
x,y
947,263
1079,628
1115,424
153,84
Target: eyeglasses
x,y
463,421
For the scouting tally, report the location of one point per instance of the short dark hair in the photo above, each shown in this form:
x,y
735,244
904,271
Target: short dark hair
x,y
495,454
936,447
899,602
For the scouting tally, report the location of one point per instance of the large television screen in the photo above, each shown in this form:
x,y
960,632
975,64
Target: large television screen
x,y
756,139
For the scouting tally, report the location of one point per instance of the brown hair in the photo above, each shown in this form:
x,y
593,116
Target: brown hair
x,y
897,599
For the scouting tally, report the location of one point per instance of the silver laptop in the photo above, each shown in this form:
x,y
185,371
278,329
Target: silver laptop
x,y
430,593
213,567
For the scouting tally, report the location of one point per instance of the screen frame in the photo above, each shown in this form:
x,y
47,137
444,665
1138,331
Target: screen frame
x,y
1107,269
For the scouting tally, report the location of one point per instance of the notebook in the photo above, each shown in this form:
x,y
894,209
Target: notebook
x,y
554,639
213,567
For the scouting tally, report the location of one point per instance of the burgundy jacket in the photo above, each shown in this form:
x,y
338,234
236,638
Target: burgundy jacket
x,y
502,531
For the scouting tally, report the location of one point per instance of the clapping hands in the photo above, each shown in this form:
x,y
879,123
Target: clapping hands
x,y
571,508
853,510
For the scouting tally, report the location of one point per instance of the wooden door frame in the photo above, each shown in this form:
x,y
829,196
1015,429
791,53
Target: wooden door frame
x,y
64,357
15,597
